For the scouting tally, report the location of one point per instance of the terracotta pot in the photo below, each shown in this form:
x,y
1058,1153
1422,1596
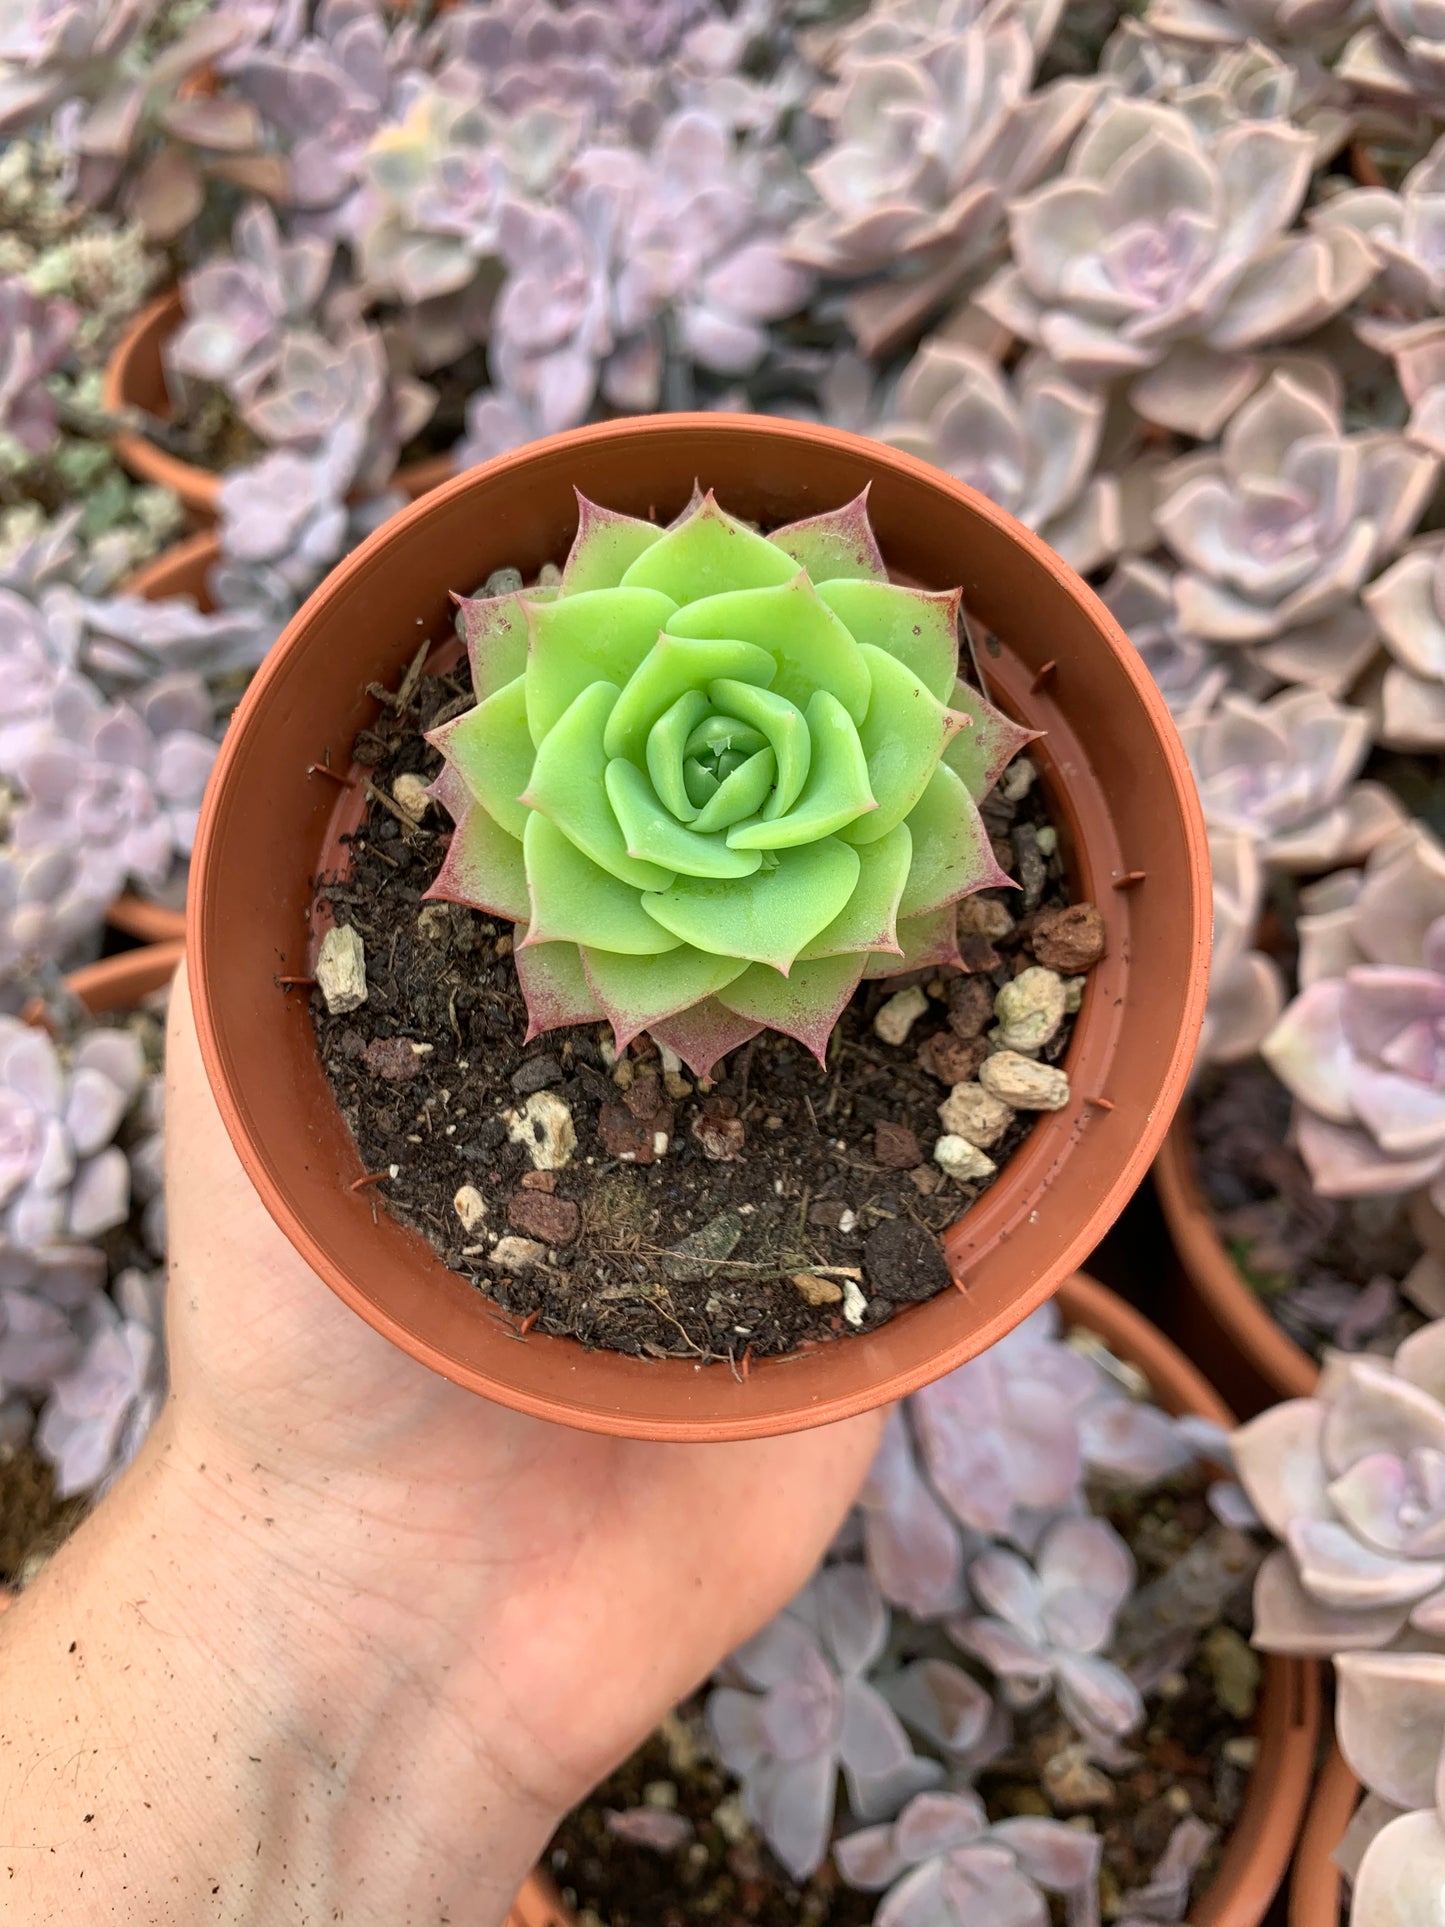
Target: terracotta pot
x,y
1317,1888
1125,807
1215,1314
183,569
1259,1848
135,377
119,983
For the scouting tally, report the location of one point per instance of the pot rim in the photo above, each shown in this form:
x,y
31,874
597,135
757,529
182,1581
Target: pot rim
x,y
1315,1885
199,488
1288,1715
116,983
560,1389
1285,1367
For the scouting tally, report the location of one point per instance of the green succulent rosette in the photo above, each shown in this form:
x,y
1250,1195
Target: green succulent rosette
x,y
717,778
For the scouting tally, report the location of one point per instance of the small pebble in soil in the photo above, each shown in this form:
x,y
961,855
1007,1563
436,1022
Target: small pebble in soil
x,y
903,1262
518,1254
1021,1082
1030,1009
1068,939
901,1012
962,1161
470,1207
816,1290
341,970
543,1127
969,1111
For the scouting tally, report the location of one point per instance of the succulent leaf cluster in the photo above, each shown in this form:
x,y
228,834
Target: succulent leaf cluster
x,y
987,1583
719,777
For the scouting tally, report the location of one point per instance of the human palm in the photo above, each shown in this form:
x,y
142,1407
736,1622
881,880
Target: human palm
x,y
559,1590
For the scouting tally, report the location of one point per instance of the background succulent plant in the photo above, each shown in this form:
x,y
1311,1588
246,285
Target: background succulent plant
x,y
1173,291
61,1175
723,781
1359,1047
34,337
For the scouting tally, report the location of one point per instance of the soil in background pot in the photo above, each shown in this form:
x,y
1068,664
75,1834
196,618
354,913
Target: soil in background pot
x,y
1334,1272
716,1221
1194,1755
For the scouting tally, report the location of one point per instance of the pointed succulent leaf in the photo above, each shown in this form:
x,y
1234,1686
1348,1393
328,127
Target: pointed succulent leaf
x,y
637,990
554,985
805,1004
869,919
1402,1873
918,626
706,554
570,784
982,750
484,867
812,648
604,548
601,635
1390,1722
574,900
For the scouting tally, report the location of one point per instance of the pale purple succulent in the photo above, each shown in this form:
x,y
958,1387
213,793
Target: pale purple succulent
x,y
1275,23
944,1865
1363,1051
138,134
285,519
129,640
1046,1624
495,423
326,94
1402,230
936,125
35,337
98,1413
241,307
1278,529
588,59
810,1712
915,1547
1283,772
317,385
51,910
1246,988
61,1175
1163,255
1030,442
1352,1481
1194,55
1408,603
121,784
1398,60
40,1293
1140,595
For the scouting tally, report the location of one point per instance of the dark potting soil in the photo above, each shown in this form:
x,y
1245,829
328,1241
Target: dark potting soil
x,y
1194,1755
33,1521
1327,1268
687,1210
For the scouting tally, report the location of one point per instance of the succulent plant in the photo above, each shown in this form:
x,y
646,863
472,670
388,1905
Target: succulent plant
x,y
805,1711
51,908
1275,23
35,336
1408,603
1350,1482
285,519
241,306
1246,988
718,778
588,60
914,1546
1360,1049
1162,256
118,784
1029,443
1048,1622
944,1865
326,93
1398,59
1278,530
140,135
1401,231
61,1175
1390,1723
40,1291
129,640
936,125
98,1412
1195,56
636,239
1283,773
317,385
1140,595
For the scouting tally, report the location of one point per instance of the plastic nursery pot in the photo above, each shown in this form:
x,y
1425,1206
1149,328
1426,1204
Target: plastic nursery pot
x,y
1216,1315
135,377
1316,1888
182,569
1288,1717
1118,788
120,982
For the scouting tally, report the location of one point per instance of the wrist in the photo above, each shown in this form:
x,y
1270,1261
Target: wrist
x,y
260,1732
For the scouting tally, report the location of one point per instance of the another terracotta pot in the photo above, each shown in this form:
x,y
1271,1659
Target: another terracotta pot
x,y
1215,1315
1118,787
1289,1709
119,983
135,377
1316,1888
182,569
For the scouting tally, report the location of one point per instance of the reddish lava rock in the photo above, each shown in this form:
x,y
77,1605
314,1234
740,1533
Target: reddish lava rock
x,y
895,1147
634,1140
1068,940
553,1221
952,1060
718,1128
970,1007
391,1058
539,1180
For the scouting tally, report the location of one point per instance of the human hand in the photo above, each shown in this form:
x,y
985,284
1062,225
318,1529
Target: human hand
x,y
471,1615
